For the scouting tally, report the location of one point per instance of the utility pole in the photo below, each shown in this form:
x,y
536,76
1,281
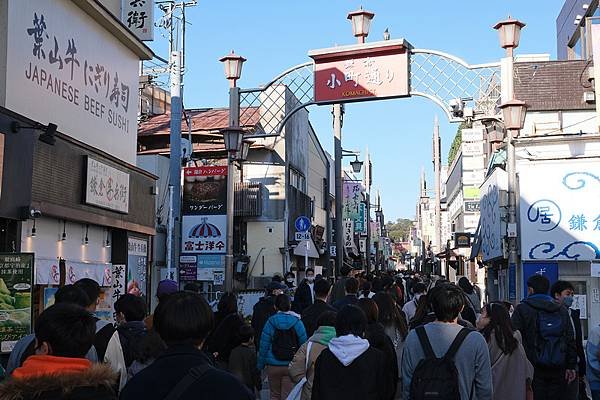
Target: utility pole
x,y
438,185
338,113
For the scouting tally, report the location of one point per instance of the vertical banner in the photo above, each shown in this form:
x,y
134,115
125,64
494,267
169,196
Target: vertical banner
x,y
137,264
138,16
16,285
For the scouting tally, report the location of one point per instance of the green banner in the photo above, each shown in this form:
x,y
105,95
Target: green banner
x,y
16,286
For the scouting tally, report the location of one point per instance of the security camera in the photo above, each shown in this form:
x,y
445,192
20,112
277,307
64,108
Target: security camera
x,y
456,107
35,213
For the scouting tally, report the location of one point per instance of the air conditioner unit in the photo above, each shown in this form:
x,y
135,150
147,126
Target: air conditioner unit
x,y
589,97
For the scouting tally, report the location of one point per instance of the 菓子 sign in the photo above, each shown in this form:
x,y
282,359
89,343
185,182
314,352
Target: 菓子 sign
x,y
106,187
204,234
63,67
362,72
560,218
138,16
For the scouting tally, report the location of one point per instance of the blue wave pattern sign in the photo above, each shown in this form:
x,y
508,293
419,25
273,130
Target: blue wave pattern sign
x,y
560,211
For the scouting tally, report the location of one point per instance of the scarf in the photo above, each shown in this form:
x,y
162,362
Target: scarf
x,y
323,335
47,365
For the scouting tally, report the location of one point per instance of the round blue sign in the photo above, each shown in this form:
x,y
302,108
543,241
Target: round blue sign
x,y
302,224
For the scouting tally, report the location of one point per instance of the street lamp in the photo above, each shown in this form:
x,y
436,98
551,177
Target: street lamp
x,y
233,138
361,22
233,67
242,154
513,112
356,165
510,34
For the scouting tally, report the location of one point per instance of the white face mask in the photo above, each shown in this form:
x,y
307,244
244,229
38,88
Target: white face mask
x,y
310,278
290,280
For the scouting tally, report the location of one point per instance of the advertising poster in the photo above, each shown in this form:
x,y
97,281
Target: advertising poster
x,y
16,279
137,262
49,293
205,191
204,234
105,309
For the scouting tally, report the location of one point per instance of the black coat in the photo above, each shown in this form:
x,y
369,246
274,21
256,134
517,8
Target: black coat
x,y
363,379
261,312
525,317
575,314
157,380
339,290
378,339
346,300
225,337
303,298
311,314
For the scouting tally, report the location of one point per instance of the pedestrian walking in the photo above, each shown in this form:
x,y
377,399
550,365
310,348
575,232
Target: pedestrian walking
x,y
311,314
365,290
165,288
183,320
64,333
303,364
305,294
225,337
473,297
593,362
548,339
132,347
444,359
339,288
351,290
378,339
512,373
281,338
349,368
265,307
563,292
242,360
410,308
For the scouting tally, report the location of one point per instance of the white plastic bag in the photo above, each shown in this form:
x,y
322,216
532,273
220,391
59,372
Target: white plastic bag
x,y
296,392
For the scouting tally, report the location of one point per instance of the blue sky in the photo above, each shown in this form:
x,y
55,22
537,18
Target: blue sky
x,y
277,34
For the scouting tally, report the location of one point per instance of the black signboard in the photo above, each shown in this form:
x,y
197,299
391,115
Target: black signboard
x,y
205,191
462,239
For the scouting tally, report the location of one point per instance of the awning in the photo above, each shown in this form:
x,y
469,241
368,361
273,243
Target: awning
x,y
306,247
476,247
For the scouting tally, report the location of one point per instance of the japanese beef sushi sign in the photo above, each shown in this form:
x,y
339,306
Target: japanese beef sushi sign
x,y
63,67
204,208
16,280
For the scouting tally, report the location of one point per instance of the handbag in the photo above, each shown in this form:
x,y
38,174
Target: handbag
x,y
296,392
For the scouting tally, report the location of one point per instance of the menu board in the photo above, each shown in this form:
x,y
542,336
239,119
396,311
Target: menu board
x,y
16,278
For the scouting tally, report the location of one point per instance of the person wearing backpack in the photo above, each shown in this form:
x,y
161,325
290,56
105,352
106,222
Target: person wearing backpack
x,y
548,339
281,338
443,360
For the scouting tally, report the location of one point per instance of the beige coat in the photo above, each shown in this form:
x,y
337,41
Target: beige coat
x,y
298,367
509,372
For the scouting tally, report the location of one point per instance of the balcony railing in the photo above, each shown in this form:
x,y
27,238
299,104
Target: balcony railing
x,y
248,199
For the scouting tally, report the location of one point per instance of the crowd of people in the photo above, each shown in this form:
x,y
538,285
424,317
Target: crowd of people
x,y
366,336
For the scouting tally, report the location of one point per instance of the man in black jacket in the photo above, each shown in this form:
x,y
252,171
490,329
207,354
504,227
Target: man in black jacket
x,y
311,314
562,292
549,381
265,307
183,321
305,295
351,296
339,288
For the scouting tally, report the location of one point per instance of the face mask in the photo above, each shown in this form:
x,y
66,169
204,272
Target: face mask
x,y
568,301
290,280
418,296
310,278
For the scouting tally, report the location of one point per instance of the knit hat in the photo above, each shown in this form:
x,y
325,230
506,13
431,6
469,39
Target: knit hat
x,y
166,287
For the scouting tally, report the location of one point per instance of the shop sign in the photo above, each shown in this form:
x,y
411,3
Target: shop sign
x,y
471,135
549,269
490,216
137,266
351,200
118,281
471,192
472,206
372,71
349,234
360,223
57,72
138,16
473,163
560,219
462,239
472,149
205,190
16,286
580,303
204,234
106,187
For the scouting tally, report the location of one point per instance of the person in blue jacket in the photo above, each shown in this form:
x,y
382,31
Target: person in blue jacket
x,y
281,337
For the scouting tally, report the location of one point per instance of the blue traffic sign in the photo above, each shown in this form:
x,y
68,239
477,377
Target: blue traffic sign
x,y
302,224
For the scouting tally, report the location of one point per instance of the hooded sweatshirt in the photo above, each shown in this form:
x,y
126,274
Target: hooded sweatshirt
x,y
525,318
348,348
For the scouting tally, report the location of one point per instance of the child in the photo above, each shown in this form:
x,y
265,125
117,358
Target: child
x,y
242,361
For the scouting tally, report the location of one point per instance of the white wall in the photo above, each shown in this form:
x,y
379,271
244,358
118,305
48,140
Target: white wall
x,y
47,243
259,238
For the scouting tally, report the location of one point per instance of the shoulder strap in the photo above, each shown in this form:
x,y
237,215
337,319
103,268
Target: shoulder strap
x,y
188,380
458,340
308,347
425,344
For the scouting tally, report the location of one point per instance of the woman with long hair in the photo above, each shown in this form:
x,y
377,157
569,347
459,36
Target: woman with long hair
x,y
507,355
394,324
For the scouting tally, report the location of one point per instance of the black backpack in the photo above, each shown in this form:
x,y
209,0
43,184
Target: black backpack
x,y
550,343
436,378
285,343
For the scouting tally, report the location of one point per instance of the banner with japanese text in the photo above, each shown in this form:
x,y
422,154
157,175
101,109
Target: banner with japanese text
x,y
560,218
205,191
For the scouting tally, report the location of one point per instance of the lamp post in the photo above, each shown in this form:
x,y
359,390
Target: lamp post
x,y
514,117
361,22
233,137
